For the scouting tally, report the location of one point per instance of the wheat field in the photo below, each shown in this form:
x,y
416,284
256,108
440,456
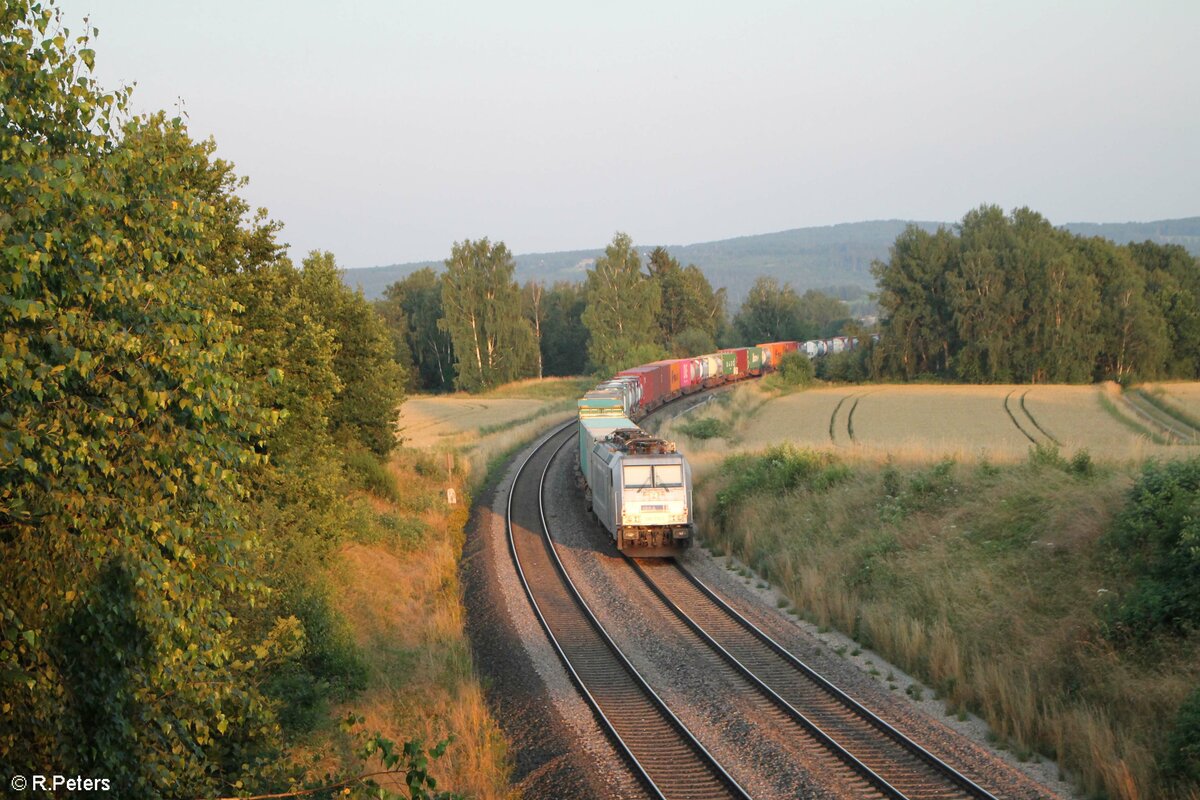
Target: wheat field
x,y
925,422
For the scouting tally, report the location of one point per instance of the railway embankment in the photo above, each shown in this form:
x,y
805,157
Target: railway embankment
x,y
1054,598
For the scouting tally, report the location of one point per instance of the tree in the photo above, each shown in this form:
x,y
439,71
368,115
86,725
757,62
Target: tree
x,y
533,297
770,313
127,432
623,306
372,383
493,343
918,333
419,296
564,337
688,299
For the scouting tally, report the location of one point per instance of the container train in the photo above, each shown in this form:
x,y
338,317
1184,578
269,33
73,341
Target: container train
x,y
636,483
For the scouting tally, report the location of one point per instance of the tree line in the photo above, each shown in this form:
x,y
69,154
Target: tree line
x,y
1004,298
471,327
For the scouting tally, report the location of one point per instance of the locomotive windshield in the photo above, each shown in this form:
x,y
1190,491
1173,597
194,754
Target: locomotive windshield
x,y
638,477
664,476
668,476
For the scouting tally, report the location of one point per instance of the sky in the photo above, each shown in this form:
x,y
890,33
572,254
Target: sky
x,y
386,130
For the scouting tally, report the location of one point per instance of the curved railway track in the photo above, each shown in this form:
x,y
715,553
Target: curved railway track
x,y
670,761
666,757
893,763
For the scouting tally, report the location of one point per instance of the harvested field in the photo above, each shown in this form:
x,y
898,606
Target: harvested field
x,y
431,421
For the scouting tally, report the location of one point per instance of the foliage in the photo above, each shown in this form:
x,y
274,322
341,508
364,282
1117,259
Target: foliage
x,y
126,439
796,369
1157,539
688,300
564,338
372,383
705,428
172,389
419,297
778,470
622,312
371,474
493,342
1011,298
1182,760
772,313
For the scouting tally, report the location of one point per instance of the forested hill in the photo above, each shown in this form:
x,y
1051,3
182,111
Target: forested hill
x,y
807,258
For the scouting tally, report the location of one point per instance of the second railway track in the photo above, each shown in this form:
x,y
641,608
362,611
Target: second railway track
x,y
666,757
894,763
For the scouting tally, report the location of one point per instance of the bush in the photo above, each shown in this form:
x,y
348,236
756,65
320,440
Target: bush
x,y
329,668
779,469
372,474
1182,760
707,428
796,369
1156,541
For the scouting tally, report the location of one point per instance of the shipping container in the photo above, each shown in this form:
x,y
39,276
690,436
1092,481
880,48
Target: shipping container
x,y
603,403
741,364
594,429
754,360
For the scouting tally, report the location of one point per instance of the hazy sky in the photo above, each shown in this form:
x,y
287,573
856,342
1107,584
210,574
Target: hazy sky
x,y
384,131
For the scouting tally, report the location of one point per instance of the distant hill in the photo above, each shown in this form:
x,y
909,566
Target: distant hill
x,y
807,258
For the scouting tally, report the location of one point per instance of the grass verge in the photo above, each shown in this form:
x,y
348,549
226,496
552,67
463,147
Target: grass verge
x,y
398,598
989,582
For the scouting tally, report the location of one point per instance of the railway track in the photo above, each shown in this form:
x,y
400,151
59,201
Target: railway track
x,y
670,762
894,764
663,754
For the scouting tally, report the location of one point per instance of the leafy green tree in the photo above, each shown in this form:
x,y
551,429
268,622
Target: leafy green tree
x,y
822,314
392,313
688,299
918,331
1133,332
1173,285
493,342
533,305
366,407
419,296
125,434
623,305
564,342
692,342
770,313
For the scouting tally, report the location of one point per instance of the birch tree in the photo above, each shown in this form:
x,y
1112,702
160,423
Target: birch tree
x,y
623,305
493,342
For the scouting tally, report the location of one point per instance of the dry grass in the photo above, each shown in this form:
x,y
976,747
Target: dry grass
x,y
987,588
401,599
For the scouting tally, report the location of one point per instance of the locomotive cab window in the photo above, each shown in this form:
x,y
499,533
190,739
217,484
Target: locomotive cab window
x,y
638,478
668,476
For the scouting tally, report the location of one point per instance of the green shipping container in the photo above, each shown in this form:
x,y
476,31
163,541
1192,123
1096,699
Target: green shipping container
x,y
754,354
728,363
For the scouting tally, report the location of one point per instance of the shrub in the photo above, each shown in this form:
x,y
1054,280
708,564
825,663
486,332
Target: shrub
x,y
1156,541
707,428
371,474
775,471
1182,760
796,369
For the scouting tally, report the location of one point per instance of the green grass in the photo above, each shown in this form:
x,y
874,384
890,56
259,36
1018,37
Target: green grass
x,y
984,585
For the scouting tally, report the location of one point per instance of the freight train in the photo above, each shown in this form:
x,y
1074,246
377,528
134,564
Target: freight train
x,y
636,483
